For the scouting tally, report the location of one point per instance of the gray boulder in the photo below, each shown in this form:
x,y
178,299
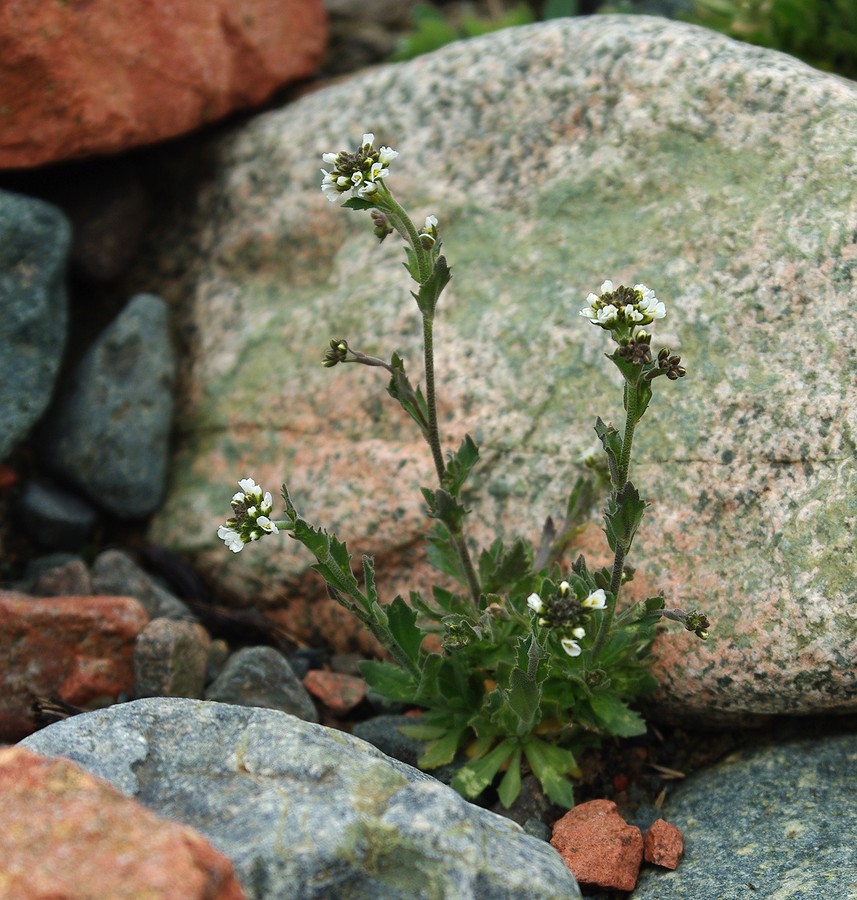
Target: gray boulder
x,y
555,156
777,821
108,433
304,811
115,573
34,241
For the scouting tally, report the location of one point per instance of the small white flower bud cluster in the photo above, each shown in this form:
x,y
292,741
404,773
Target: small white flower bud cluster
x,y
622,309
251,521
358,172
570,642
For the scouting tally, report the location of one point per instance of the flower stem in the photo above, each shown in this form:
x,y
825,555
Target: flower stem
x,y
631,419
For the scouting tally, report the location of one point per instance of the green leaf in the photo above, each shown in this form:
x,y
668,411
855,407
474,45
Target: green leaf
x,y
558,9
473,778
443,506
611,441
358,203
459,465
442,751
506,569
401,620
409,398
431,290
616,716
523,697
550,764
510,785
623,513
391,682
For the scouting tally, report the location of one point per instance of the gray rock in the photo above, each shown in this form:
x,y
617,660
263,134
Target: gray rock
x,y
304,811
170,659
63,579
34,241
55,518
108,433
555,156
260,676
778,821
115,573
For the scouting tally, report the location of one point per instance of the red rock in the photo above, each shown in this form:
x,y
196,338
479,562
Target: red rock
x,y
91,77
79,649
664,844
599,846
69,834
337,691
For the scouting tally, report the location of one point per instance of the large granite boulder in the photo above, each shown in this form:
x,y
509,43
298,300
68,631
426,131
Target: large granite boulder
x,y
78,79
304,811
555,156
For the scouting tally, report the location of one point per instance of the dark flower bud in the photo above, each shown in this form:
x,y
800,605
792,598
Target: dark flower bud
x,y
337,353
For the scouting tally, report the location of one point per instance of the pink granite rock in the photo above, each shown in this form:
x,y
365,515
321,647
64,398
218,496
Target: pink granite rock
x,y
78,79
599,846
69,834
340,693
77,649
635,149
663,845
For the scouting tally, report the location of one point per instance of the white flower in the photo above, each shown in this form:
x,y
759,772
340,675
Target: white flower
x,y
267,503
607,287
248,485
579,632
572,648
606,314
431,222
564,587
329,159
267,525
534,601
231,538
369,139
386,155
596,600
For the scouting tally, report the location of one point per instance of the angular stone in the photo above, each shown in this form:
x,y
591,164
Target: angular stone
x,y
295,804
109,430
625,147
72,83
68,834
260,676
78,649
663,845
114,572
170,659
775,819
67,578
34,241
599,846
340,693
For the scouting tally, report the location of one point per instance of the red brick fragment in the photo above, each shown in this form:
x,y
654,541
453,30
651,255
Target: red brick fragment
x,y
664,844
599,846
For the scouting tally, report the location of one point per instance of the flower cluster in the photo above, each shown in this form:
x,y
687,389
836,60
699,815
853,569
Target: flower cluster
x,y
567,614
360,172
622,309
250,521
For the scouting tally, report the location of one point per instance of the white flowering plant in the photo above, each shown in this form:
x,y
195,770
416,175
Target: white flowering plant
x,y
529,659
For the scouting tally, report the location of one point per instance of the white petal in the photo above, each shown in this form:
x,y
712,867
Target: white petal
x,y
431,222
579,632
607,287
589,313
596,600
534,601
247,485
387,155
572,648
329,158
369,139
